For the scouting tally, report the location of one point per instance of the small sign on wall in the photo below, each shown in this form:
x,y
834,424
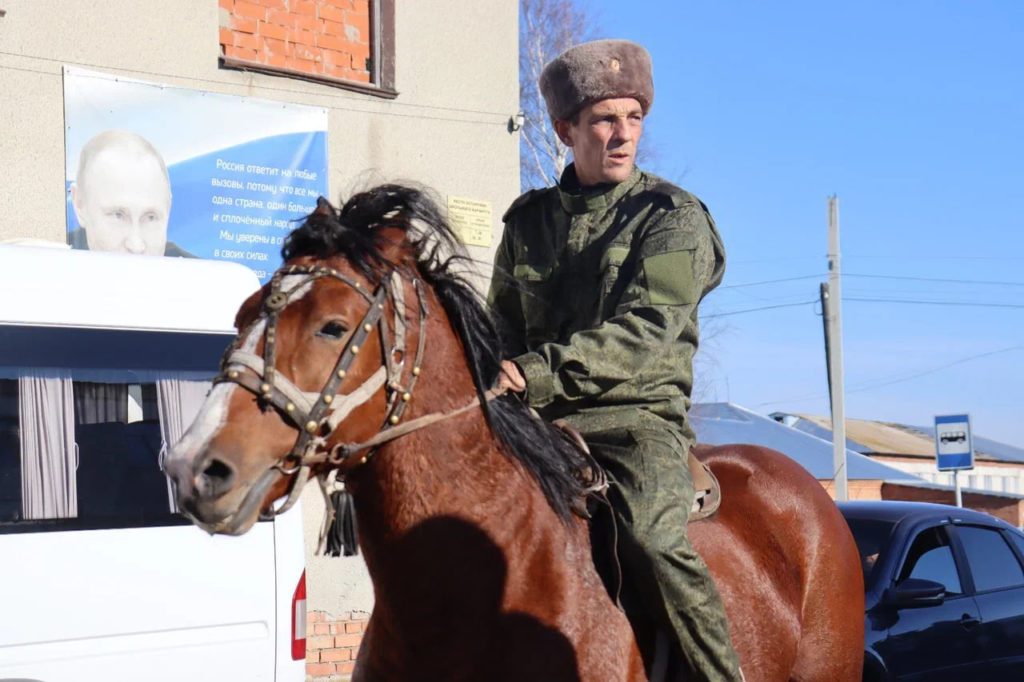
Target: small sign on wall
x,y
471,220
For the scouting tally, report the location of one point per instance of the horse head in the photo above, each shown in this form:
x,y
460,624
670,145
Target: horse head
x,y
327,357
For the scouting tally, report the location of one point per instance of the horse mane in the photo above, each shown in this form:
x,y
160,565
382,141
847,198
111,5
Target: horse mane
x,y
353,232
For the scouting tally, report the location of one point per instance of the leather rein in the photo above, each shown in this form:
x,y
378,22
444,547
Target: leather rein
x,y
317,415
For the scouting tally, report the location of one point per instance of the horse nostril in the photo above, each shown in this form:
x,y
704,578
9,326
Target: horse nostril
x,y
216,478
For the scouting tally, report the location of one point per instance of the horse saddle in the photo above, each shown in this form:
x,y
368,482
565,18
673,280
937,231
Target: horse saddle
x,y
708,492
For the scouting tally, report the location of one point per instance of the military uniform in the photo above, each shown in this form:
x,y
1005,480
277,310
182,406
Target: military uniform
x,y
598,288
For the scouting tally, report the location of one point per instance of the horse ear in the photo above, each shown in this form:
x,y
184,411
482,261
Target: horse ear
x,y
324,208
248,310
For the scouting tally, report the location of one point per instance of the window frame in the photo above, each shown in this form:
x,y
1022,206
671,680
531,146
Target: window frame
x,y
959,561
382,54
962,555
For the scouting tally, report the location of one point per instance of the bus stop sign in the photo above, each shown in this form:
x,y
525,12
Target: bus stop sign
x,y
954,448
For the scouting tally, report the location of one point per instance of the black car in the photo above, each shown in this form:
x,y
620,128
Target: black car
x,y
944,592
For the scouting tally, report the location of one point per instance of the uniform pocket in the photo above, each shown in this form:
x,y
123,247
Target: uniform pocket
x,y
532,280
611,264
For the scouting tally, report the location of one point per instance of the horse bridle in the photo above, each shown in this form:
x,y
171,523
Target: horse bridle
x,y
317,415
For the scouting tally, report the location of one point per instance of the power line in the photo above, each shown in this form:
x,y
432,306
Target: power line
x,y
919,258
896,379
952,303
942,280
754,310
772,281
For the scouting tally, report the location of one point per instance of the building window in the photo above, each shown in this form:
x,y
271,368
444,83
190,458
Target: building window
x,y
346,43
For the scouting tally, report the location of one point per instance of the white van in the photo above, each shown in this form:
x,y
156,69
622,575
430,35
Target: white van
x,y
104,359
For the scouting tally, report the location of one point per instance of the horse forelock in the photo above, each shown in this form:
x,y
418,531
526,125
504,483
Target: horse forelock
x,y
363,233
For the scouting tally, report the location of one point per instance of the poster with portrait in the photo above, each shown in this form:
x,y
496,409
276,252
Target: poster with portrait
x,y
164,170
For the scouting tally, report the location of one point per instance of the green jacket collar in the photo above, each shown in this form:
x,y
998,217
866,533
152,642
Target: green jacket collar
x,y
577,200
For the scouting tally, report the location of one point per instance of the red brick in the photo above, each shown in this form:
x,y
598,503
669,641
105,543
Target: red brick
x,y
333,28
305,66
348,640
312,657
323,629
273,31
359,53
313,55
335,58
314,617
278,61
320,668
247,41
345,667
303,37
226,4
317,641
275,46
335,655
332,12
360,21
282,18
273,4
333,43
226,37
244,25
360,76
353,627
303,7
249,10
306,22
241,53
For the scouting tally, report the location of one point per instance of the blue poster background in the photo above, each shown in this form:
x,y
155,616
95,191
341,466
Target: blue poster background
x,y
243,171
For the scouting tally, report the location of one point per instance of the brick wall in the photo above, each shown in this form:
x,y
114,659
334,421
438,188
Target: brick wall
x,y
1005,508
332,643
323,38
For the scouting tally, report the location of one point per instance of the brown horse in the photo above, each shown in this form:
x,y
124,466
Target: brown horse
x,y
367,355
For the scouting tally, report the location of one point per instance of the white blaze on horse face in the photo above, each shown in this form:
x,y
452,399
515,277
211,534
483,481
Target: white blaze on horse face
x,y
214,412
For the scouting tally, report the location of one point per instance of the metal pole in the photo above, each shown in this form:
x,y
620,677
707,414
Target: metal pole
x,y
835,337
956,486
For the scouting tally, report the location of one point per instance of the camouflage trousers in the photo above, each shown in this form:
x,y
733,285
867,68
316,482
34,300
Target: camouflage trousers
x,y
665,584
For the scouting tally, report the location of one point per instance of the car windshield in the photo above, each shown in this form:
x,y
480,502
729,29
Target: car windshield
x,y
871,536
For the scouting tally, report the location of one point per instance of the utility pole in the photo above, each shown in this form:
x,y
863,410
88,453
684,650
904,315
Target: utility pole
x,y
832,310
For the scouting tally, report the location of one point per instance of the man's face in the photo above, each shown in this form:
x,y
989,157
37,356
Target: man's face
x,y
124,203
604,139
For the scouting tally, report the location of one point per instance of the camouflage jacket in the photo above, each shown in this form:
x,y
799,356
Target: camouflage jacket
x,y
598,290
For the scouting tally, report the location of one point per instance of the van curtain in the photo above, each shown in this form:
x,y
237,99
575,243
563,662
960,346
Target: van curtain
x,y
49,462
178,402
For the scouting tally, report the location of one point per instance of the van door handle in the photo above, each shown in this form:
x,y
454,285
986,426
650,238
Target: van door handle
x,y
968,621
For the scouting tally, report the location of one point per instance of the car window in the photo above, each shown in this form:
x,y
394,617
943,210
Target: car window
x,y
1018,540
992,562
871,536
931,558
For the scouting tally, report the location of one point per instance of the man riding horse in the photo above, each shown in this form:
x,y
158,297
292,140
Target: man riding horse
x,y
598,280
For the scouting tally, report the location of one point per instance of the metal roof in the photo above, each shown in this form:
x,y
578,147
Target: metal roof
x,y
886,438
725,423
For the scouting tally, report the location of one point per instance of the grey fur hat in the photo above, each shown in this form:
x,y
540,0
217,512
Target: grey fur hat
x,y
597,70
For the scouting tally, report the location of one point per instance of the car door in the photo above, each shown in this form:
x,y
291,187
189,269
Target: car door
x,y
936,643
998,580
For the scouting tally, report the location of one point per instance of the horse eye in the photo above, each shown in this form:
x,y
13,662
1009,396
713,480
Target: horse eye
x,y
332,330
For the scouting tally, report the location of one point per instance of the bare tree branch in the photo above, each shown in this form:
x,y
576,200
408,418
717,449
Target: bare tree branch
x,y
546,29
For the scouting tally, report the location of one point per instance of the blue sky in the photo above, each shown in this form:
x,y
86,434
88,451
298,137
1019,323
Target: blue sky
x,y
913,114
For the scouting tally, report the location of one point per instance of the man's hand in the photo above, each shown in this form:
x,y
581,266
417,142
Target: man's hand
x,y
511,377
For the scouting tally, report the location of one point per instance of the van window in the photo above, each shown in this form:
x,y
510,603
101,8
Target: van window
x,y
84,428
